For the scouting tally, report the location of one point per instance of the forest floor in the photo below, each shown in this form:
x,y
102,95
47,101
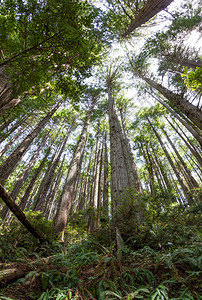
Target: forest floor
x,y
161,260
86,274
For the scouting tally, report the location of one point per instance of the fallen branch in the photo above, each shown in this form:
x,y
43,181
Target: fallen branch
x,y
19,214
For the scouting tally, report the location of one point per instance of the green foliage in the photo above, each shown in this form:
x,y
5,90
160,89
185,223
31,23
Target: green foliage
x,y
42,40
193,79
17,243
76,228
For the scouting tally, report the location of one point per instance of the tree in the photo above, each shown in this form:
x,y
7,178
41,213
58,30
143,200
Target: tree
x,y
148,10
10,163
66,199
42,41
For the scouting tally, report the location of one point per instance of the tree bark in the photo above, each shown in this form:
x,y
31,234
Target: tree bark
x,y
182,184
188,127
191,178
149,10
192,112
19,214
131,166
23,177
30,187
106,178
193,151
119,176
66,200
11,162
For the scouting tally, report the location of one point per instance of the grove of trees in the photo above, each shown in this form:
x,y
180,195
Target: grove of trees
x,y
100,140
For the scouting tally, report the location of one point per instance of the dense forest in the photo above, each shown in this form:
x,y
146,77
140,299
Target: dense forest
x,y
100,149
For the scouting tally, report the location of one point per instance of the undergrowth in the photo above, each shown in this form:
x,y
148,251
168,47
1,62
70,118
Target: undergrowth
x,y
160,259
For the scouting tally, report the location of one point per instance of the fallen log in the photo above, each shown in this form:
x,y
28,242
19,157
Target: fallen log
x,y
12,272
9,275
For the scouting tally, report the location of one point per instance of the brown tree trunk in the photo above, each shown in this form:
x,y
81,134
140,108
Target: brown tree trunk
x,y
23,177
66,200
53,193
106,178
30,187
119,176
190,63
149,168
182,184
131,166
13,128
149,10
191,178
11,162
193,151
188,127
39,201
19,214
13,139
192,112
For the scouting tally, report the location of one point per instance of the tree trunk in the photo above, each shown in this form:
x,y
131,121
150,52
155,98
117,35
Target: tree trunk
x,y
19,214
188,127
149,168
11,162
30,187
188,109
119,176
5,87
13,128
13,139
66,200
39,201
193,151
106,178
149,10
191,178
23,176
190,63
53,193
182,184
131,166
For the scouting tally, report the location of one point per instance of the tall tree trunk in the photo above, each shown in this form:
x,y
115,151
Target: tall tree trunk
x,y
13,128
190,63
188,127
149,10
66,200
84,188
5,87
149,168
119,176
13,139
106,178
193,151
53,193
192,112
30,187
11,162
131,166
182,184
191,178
39,201
24,176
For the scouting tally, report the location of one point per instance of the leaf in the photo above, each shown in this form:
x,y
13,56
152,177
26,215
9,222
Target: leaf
x,y
113,294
